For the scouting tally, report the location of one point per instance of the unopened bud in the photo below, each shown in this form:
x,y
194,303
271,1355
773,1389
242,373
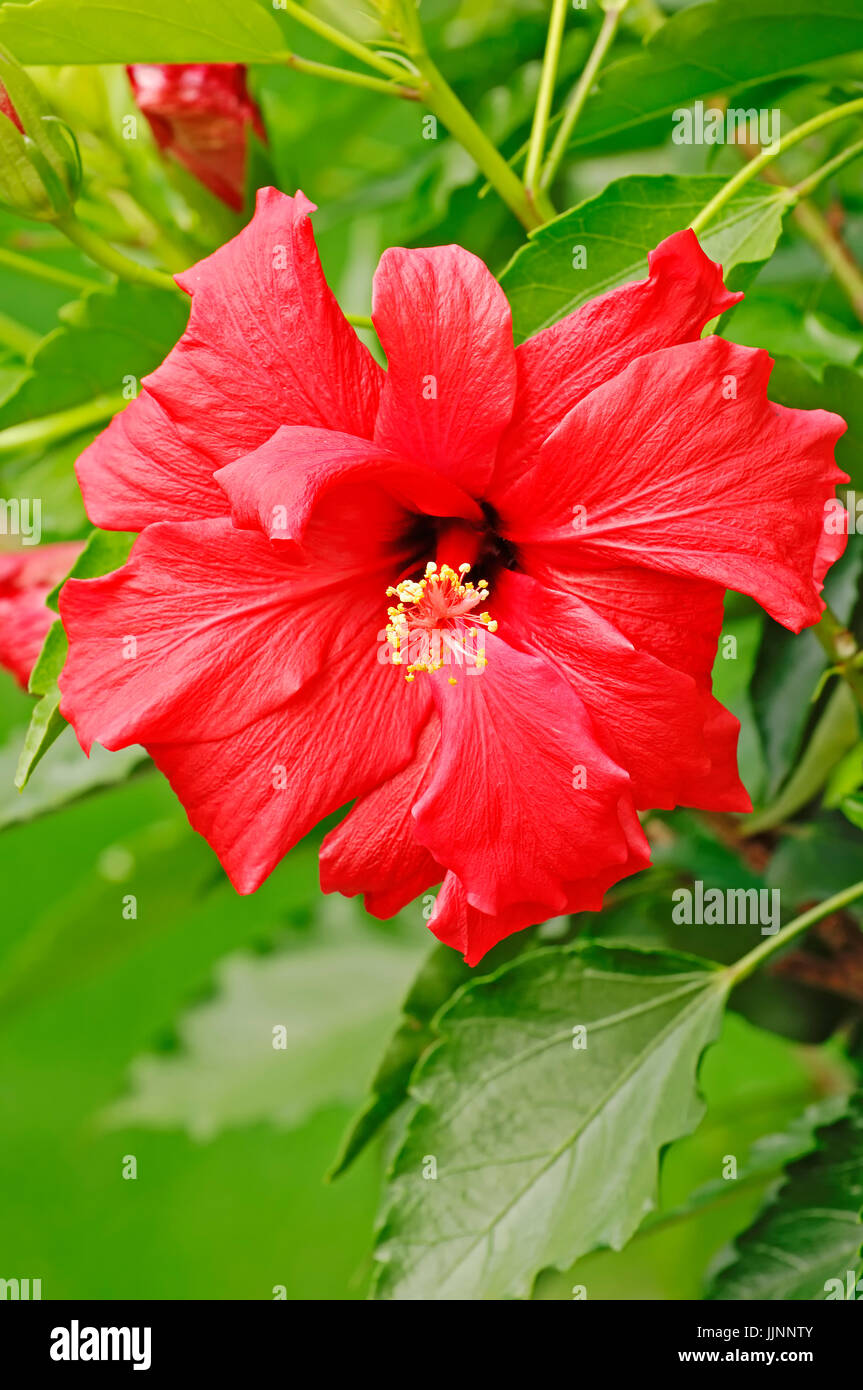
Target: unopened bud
x,y
40,167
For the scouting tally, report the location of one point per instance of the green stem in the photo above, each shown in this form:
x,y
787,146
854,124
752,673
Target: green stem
x,y
352,79
106,255
817,230
343,41
442,100
545,94
842,650
766,157
40,433
359,320
17,336
744,967
51,274
812,181
580,93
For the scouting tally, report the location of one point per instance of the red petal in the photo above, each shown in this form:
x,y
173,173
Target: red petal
x,y
522,797
26,579
267,345
661,468
225,630
374,851
278,487
674,618
201,112
446,328
560,365
677,743
254,794
457,923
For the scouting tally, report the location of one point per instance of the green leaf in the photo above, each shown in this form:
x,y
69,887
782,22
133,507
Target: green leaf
x,y
64,775
769,1154
765,321
837,731
141,31
840,390
438,979
537,1157
812,1233
787,673
333,997
618,227
852,809
104,551
719,47
106,342
46,721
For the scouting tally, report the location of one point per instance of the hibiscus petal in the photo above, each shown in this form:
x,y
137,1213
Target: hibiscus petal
x,y
26,579
446,328
267,345
254,794
204,630
710,479
375,851
560,365
279,486
457,923
522,797
675,618
675,740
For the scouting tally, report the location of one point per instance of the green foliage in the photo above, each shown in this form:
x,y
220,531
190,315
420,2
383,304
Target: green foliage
x,y
150,31
723,46
525,1108
618,227
105,342
286,1035
811,1235
104,551
139,994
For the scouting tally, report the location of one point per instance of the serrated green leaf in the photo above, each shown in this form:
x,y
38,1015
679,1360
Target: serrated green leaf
x,y
141,31
812,1233
714,48
537,1156
332,995
618,227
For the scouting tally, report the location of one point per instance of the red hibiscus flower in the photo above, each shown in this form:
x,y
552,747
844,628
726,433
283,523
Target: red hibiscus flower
x,y
554,525
26,579
200,113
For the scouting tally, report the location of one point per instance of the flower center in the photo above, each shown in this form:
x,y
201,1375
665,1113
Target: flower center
x,y
434,623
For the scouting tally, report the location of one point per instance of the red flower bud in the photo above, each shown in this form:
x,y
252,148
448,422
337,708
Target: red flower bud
x,y
8,109
200,113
